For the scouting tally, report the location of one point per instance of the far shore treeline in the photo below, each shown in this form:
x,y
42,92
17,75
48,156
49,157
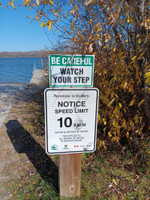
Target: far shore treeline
x,y
42,53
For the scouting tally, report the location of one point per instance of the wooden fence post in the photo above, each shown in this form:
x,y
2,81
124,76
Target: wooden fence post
x,y
70,175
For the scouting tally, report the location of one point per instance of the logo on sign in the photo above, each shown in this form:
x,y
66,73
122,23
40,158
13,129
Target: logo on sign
x,y
66,146
76,146
54,147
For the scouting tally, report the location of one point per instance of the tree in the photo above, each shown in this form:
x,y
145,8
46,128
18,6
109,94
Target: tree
x,y
117,32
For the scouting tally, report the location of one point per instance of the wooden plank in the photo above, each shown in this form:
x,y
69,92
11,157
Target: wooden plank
x,y
70,175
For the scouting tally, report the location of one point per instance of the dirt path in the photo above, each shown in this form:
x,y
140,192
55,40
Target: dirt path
x,y
8,92
13,162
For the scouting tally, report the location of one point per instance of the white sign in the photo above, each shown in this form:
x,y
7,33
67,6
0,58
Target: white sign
x,y
71,120
71,70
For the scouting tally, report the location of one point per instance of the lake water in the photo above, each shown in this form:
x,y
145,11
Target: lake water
x,y
15,74
18,70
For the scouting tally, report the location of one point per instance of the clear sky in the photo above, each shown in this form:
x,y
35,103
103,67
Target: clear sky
x,y
18,33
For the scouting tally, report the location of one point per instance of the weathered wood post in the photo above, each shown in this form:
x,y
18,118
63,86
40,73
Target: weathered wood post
x,y
70,175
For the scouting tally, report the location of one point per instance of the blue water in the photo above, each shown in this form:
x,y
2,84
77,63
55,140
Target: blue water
x,y
18,70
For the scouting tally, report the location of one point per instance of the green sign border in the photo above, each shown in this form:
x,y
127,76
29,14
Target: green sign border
x,y
74,55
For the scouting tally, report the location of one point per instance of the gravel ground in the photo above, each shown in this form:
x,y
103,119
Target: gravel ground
x,y
13,97
8,92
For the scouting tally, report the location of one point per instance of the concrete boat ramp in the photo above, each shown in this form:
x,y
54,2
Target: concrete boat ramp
x,y
39,76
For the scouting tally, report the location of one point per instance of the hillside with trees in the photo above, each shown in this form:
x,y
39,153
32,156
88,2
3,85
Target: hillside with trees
x,y
23,54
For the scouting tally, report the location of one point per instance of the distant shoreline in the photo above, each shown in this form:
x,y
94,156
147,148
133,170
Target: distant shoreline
x,y
27,54
24,57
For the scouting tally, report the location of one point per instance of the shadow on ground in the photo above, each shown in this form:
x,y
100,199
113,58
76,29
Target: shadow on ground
x,y
23,142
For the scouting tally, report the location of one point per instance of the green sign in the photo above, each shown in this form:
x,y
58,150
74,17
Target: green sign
x,y
71,70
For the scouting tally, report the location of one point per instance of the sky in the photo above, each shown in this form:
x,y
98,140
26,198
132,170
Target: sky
x,y
18,33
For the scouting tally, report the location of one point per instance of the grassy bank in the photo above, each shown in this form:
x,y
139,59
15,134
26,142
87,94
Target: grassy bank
x,y
112,172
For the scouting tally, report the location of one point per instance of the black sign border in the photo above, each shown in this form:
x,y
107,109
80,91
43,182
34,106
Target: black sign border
x,y
46,127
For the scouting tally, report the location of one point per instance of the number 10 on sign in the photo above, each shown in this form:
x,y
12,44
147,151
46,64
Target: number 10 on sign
x,y
67,122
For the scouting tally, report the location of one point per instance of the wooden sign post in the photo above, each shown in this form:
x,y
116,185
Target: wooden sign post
x,y
70,175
